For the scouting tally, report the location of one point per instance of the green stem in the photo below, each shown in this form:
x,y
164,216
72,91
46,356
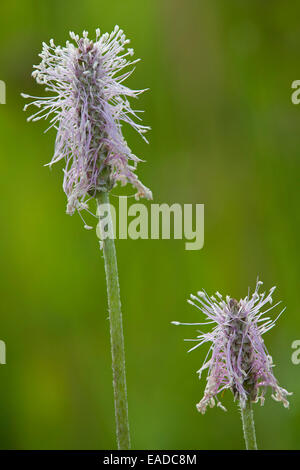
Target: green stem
x,y
116,330
248,426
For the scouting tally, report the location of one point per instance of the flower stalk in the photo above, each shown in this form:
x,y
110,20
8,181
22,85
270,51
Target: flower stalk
x,y
116,331
248,426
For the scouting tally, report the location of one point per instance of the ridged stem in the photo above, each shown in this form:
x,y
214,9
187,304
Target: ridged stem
x,y
116,330
248,426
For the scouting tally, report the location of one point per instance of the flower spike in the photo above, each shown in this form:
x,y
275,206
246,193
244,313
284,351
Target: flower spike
x,y
88,106
239,360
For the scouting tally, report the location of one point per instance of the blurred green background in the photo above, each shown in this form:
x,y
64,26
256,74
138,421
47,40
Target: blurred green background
x,y
224,133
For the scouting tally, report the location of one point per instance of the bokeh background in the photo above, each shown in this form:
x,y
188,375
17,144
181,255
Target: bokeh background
x,y
224,133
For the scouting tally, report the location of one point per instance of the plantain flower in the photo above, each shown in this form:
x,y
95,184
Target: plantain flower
x,y
237,358
88,105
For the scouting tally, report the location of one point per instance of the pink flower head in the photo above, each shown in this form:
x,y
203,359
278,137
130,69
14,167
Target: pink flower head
x,y
88,105
238,359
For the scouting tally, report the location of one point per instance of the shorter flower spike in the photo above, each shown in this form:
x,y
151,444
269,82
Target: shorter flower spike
x,y
238,358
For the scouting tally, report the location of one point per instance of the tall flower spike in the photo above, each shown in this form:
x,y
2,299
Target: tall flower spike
x,y
238,359
88,106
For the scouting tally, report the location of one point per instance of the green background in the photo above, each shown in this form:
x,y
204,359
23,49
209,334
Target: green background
x,y
224,133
